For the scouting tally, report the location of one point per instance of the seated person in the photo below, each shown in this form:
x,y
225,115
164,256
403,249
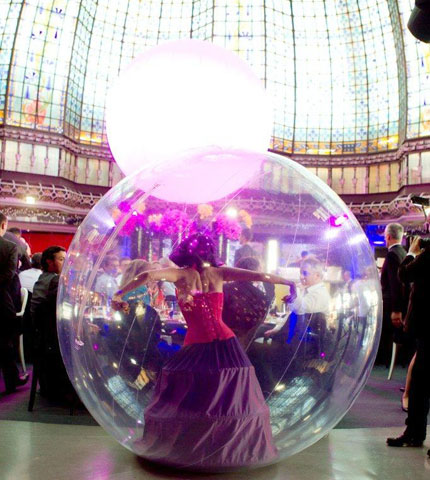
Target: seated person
x,y
246,304
106,283
141,328
28,278
53,379
304,328
313,297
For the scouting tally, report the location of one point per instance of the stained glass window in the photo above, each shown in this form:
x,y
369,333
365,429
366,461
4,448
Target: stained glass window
x,y
341,72
418,81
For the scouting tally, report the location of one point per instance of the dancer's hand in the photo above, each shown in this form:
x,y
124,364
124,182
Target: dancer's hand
x,y
292,295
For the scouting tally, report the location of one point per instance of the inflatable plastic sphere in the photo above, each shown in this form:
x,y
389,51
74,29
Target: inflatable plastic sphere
x,y
293,368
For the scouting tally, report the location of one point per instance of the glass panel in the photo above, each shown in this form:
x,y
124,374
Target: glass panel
x,y
414,170
425,165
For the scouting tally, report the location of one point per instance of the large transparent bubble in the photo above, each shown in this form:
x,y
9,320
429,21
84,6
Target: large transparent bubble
x,y
311,356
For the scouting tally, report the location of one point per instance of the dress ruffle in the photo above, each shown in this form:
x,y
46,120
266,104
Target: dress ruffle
x,y
208,411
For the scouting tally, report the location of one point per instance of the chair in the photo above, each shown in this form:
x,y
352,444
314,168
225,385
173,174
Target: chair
x,y
20,314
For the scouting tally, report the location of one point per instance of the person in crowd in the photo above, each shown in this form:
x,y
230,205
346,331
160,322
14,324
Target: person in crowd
x,y
245,250
168,288
246,304
106,283
14,235
140,331
29,277
10,302
394,294
415,269
347,278
135,267
307,313
123,264
312,297
53,380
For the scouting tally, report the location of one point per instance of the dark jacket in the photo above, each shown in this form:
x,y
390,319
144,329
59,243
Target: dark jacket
x,y
10,296
417,270
394,294
43,309
22,251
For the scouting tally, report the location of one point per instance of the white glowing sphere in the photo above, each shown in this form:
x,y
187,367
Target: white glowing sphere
x,y
181,95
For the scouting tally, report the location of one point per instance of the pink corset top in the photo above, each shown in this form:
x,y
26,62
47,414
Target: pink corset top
x,y
204,319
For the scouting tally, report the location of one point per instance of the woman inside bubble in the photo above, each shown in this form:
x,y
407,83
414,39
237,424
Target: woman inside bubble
x,y
208,408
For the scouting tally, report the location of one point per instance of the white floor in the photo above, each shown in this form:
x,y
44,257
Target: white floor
x,y
40,451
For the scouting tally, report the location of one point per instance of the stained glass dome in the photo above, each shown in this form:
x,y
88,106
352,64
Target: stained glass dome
x,y
346,75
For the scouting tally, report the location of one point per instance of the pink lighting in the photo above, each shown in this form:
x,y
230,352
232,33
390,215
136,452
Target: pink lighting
x,y
182,95
200,175
338,221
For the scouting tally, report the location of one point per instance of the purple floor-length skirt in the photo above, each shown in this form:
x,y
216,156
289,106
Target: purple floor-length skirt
x,y
208,411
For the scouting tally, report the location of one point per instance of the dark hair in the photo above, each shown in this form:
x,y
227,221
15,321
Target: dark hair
x,y
49,254
194,251
3,217
247,234
36,260
248,263
15,230
304,253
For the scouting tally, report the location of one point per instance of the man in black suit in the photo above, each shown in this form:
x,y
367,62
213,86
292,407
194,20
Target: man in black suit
x,y
416,268
245,250
14,235
10,302
53,378
394,295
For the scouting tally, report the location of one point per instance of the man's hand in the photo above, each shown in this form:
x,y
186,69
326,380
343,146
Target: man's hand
x,y
396,319
269,333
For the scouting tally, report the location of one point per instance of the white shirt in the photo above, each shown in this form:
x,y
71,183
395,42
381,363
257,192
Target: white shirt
x,y
29,277
314,299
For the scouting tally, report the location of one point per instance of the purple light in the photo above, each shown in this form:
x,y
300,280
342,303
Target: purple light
x,y
200,175
338,221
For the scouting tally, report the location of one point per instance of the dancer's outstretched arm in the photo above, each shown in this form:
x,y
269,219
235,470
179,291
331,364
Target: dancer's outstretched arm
x,y
230,274
241,275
